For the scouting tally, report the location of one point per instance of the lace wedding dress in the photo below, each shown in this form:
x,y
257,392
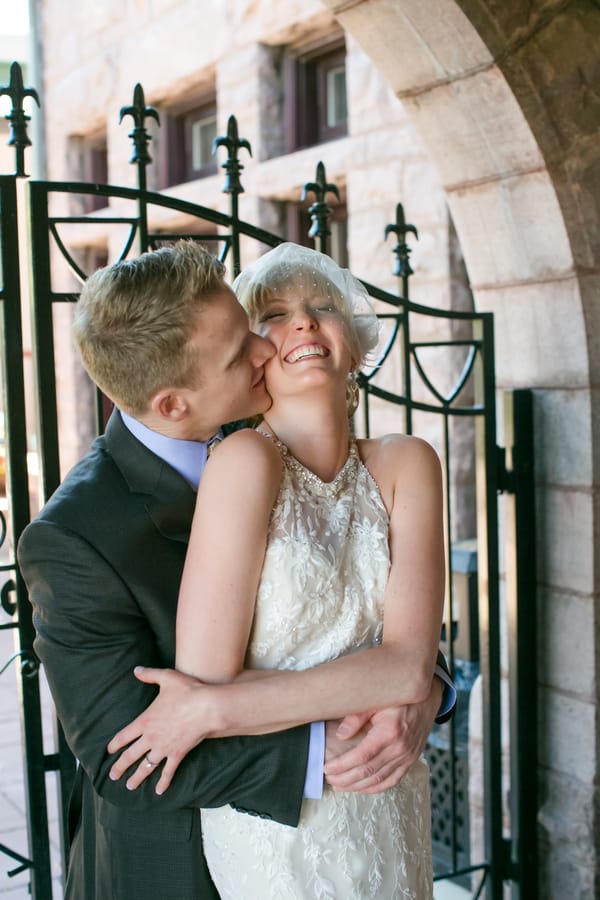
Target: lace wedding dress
x,y
321,595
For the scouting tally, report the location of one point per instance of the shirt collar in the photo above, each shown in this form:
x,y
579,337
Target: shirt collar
x,y
186,457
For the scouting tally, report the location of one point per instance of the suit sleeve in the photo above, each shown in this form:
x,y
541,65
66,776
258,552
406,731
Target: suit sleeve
x,y
91,633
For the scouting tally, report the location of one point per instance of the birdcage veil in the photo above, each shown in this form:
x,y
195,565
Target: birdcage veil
x,y
290,266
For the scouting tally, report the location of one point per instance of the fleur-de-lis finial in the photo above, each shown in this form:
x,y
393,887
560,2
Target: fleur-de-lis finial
x,y
401,250
140,137
17,117
232,165
319,211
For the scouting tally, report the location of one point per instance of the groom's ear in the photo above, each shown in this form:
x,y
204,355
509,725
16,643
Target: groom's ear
x,y
169,403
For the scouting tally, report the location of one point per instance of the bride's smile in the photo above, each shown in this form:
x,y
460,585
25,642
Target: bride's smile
x,y
305,351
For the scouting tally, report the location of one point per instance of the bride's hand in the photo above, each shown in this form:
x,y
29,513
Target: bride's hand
x,y
166,731
394,740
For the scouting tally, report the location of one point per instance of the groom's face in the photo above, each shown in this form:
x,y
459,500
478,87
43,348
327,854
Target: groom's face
x,y
231,359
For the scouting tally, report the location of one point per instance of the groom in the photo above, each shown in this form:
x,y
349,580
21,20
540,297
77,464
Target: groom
x,y
165,339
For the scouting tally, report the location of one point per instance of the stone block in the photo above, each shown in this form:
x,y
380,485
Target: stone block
x,y
566,831
566,642
182,47
565,539
595,417
434,40
485,132
498,225
285,176
576,179
590,292
374,186
563,437
370,97
237,66
567,735
540,334
421,192
560,876
561,59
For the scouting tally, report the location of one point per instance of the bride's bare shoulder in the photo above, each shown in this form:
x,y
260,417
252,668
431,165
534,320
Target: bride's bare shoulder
x,y
248,448
392,454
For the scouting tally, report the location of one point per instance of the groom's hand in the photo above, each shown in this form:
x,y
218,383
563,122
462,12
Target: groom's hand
x,y
383,745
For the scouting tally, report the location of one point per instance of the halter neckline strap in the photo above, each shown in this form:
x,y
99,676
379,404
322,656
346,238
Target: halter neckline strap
x,y
332,487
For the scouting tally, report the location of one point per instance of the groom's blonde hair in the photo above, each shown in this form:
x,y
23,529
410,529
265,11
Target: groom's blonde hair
x,y
134,320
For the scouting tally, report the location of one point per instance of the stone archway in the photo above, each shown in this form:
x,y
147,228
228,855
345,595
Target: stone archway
x,y
506,97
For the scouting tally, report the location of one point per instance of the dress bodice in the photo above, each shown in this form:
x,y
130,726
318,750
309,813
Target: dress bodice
x,y
325,569
321,595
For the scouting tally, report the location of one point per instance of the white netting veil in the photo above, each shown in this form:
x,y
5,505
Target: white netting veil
x,y
290,266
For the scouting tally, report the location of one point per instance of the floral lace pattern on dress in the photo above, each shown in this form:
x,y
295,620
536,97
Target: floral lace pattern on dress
x,y
321,595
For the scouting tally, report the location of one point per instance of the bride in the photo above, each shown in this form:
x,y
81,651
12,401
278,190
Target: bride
x,y
307,546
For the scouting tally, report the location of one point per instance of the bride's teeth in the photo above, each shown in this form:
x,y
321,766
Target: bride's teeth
x,y
304,352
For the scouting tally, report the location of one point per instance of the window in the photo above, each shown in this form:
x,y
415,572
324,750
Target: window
x,y
336,112
190,134
202,133
94,166
315,97
298,223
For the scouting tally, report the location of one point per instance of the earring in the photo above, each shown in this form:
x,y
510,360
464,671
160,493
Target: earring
x,y
352,393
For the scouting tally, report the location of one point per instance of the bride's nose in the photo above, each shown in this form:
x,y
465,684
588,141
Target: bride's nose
x,y
304,317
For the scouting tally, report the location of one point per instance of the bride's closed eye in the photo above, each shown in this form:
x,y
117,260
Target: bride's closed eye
x,y
316,308
271,314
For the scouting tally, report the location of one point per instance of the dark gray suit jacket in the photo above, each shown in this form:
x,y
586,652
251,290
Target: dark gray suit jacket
x,y
102,563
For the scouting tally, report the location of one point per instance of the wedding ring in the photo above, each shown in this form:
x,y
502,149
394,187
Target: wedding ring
x,y
149,762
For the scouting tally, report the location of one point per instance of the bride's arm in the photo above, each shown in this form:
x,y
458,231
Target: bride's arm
x,y
225,557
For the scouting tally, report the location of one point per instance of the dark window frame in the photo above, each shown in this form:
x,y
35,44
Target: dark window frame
x,y
298,222
94,163
306,98
176,156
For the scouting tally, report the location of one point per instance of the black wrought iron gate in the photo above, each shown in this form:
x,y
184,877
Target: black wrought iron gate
x,y
478,626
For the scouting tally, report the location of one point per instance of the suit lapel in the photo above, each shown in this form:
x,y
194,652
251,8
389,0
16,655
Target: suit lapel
x,y
170,500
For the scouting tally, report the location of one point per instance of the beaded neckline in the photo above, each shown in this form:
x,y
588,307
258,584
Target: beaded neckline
x,y
328,488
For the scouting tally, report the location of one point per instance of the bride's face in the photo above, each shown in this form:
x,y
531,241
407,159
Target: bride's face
x,y
311,340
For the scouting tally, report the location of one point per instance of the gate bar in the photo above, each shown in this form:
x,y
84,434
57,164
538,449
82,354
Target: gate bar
x,y
487,477
18,491
521,573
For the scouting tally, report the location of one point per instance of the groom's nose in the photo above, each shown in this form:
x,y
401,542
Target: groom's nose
x,y
262,350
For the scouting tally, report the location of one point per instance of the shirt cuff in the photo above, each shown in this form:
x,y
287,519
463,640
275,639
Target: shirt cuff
x,y
313,784
449,695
